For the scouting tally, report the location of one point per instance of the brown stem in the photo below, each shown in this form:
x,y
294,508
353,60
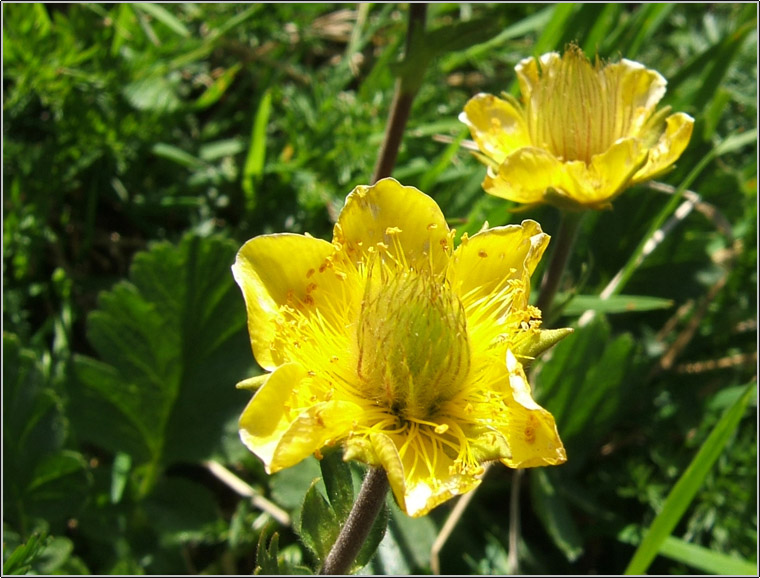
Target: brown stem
x,y
563,245
403,96
354,533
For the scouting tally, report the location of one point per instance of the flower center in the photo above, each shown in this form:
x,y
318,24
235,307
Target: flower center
x,y
569,113
412,336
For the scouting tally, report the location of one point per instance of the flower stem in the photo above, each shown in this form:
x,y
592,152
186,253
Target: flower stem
x,y
563,245
358,524
403,96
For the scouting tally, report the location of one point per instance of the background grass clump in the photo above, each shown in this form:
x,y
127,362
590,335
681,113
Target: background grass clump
x,y
144,143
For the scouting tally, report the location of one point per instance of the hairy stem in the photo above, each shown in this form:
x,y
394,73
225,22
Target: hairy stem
x,y
354,533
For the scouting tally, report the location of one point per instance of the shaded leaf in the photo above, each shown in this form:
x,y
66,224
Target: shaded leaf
x,y
172,346
555,514
614,304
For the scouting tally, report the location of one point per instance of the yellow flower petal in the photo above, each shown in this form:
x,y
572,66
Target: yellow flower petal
x,y
320,424
528,174
496,125
668,148
532,433
267,284
401,220
485,261
265,418
608,174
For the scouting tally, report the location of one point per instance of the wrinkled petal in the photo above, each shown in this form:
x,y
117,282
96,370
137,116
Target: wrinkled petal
x,y
497,126
668,148
402,219
272,271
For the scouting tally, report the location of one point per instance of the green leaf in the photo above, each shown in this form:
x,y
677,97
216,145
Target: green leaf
x,y
696,556
339,483
268,560
585,383
122,465
172,345
319,527
614,304
688,485
405,548
705,559
177,155
554,512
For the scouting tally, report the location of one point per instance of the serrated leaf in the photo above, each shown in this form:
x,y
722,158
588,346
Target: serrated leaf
x,y
172,345
39,477
319,527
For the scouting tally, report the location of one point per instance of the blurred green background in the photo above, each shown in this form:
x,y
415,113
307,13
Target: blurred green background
x,y
144,143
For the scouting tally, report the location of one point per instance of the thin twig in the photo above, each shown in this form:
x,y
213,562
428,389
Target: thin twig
x,y
354,533
449,525
513,563
244,489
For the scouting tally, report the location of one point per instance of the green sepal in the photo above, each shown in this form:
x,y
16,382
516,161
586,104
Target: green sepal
x,y
531,345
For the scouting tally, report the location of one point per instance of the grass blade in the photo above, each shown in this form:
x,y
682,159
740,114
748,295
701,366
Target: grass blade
x,y
687,486
706,560
254,163
164,17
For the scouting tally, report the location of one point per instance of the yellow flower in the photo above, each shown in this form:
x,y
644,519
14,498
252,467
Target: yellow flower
x,y
397,346
583,134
